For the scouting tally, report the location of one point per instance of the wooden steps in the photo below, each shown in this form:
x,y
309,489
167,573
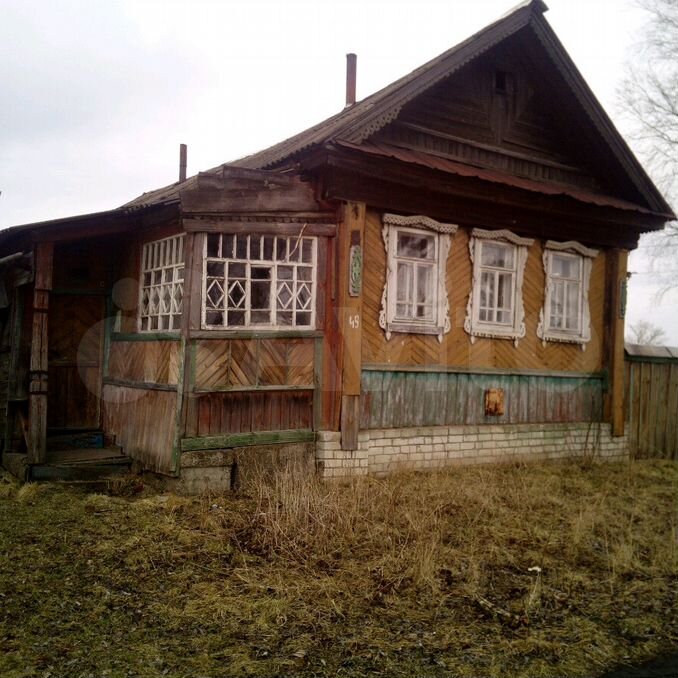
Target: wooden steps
x,y
82,464
88,456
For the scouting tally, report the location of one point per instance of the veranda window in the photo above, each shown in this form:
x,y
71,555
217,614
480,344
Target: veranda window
x,y
162,284
261,281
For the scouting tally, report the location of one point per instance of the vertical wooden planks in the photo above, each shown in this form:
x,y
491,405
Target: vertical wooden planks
x,y
652,397
395,399
37,404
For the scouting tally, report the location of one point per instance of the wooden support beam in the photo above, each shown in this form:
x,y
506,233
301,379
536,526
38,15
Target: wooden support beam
x,y
351,242
616,287
37,399
194,246
246,439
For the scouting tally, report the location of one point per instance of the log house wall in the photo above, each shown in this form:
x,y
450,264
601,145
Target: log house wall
x,y
553,383
456,348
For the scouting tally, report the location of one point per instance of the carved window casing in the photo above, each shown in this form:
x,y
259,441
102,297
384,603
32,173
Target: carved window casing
x,y
565,316
162,285
259,281
495,305
414,299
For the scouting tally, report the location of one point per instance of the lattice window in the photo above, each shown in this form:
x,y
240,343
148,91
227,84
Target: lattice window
x,y
162,284
262,281
565,315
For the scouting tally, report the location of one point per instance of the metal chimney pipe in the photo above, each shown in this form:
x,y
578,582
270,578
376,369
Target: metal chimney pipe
x,y
183,152
351,63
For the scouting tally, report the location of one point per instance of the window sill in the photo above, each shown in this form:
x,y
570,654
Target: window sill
x,y
494,332
255,334
413,328
564,339
146,336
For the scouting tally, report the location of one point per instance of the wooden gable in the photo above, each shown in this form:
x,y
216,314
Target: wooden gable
x,y
508,110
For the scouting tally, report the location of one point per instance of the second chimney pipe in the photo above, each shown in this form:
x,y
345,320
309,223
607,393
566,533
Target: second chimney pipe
x,y
351,61
183,151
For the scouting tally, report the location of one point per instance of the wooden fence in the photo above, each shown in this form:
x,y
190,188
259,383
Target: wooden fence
x,y
652,400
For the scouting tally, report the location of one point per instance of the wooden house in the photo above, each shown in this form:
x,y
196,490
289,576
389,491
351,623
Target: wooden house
x,y
435,274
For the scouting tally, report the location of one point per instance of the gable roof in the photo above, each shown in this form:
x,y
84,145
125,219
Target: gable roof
x,y
356,123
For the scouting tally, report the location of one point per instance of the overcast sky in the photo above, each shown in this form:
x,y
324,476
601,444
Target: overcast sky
x,y
97,95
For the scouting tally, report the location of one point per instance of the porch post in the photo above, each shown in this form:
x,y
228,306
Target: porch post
x,y
194,245
37,399
350,295
617,261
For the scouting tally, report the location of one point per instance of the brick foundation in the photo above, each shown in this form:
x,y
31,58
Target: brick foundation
x,y
383,450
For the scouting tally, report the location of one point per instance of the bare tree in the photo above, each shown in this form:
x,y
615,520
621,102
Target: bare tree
x,y
648,99
649,92
644,332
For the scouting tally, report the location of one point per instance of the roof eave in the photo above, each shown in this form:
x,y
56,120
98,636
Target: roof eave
x,y
602,122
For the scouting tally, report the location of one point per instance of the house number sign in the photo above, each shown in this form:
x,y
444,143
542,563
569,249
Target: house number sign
x,y
355,271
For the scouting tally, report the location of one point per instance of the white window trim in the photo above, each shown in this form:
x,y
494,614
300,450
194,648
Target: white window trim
x,y
160,255
440,325
544,331
472,324
273,263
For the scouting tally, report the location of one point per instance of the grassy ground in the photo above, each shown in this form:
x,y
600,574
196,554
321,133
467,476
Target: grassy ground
x,y
540,570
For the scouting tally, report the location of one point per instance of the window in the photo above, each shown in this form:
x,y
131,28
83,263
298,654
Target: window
x,y
415,298
495,305
565,315
162,284
263,281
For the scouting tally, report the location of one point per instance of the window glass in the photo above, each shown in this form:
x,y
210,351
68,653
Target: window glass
x,y
415,277
415,246
162,284
496,283
259,281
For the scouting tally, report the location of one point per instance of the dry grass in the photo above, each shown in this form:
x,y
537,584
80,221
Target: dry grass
x,y
541,570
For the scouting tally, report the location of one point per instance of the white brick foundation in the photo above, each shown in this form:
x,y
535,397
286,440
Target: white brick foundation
x,y
384,450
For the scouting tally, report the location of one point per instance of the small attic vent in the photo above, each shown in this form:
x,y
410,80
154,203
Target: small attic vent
x,y
501,82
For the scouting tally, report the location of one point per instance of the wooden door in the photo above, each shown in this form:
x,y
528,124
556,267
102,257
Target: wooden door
x,y
76,331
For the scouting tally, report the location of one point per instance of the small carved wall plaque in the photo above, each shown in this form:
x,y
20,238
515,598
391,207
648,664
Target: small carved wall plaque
x,y
494,402
355,271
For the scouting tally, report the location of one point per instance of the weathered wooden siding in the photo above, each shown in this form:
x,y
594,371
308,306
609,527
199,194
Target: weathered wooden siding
x,y
144,423
155,362
253,411
465,117
227,364
397,399
456,348
251,385
652,408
